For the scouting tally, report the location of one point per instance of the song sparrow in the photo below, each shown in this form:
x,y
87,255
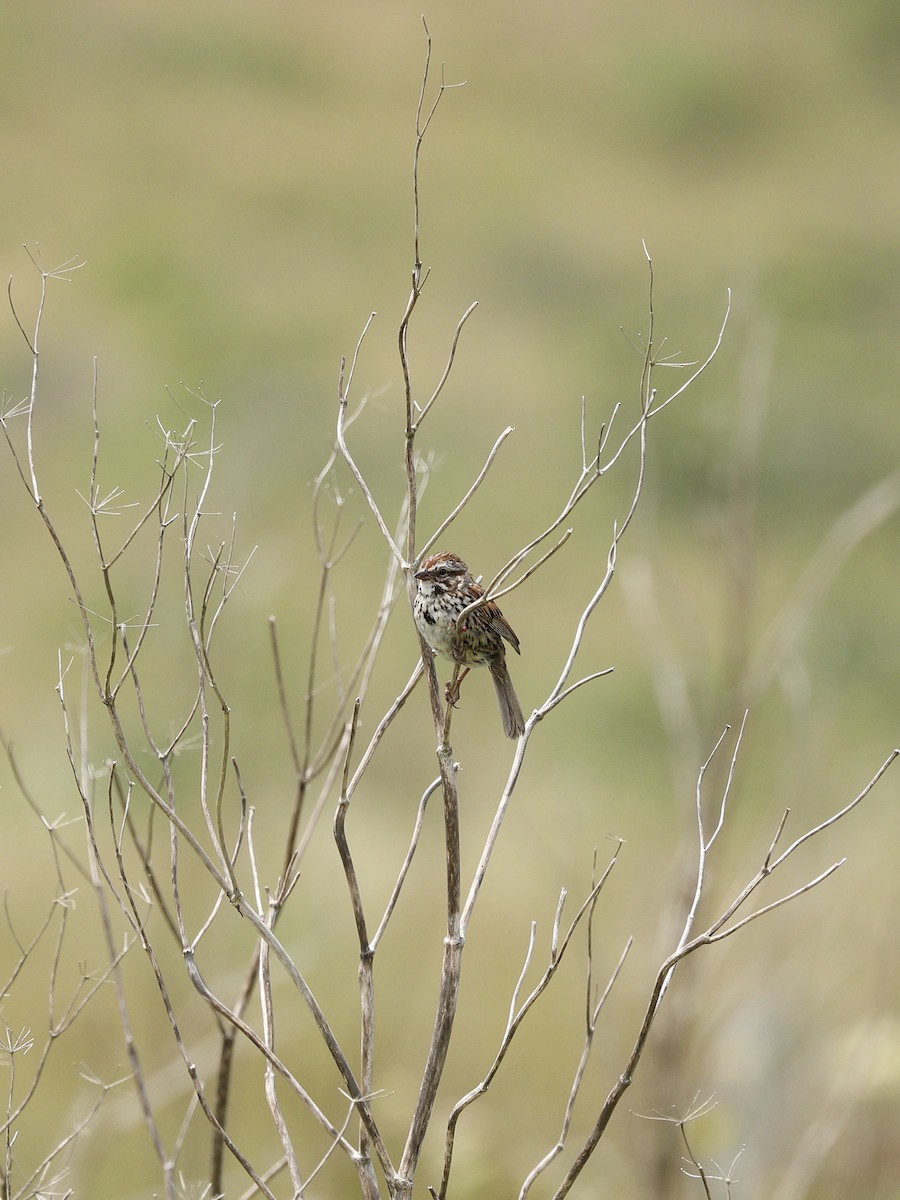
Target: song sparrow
x,y
444,588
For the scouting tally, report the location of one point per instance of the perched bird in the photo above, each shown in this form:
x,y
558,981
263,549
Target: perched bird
x,y
444,587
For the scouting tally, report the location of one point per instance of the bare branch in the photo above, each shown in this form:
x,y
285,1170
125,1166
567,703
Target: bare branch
x,y
518,1012
363,486
423,412
407,863
479,479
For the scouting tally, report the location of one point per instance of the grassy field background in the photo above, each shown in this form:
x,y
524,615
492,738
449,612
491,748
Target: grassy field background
x,y
237,178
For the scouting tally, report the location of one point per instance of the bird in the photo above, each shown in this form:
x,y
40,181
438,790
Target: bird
x,y
444,587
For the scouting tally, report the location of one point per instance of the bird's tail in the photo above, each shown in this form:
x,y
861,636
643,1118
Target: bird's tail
x,y
510,709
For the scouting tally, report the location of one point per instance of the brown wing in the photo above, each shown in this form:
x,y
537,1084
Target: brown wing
x,y
492,616
500,625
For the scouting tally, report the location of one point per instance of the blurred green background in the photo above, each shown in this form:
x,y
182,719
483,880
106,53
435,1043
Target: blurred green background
x,y
238,179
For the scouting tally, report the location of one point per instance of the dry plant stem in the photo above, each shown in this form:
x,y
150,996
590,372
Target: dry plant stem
x,y
348,457
58,1024
53,827
416,413
383,726
307,767
426,407
8,1135
129,908
646,401
595,469
81,774
162,802
332,748
268,1027
325,1031
28,472
401,1185
201,624
166,1161
312,763
422,123
62,272
132,914
254,1039
367,998
592,1015
330,556
313,760
716,932
695,1169
143,847
401,1182
100,877
407,862
448,521
591,471
518,1012
692,1159
556,696
205,678
57,906
705,841
449,984
366,963
102,506
180,1044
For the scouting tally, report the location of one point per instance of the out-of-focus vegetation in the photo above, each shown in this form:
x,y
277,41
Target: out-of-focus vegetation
x,y
238,178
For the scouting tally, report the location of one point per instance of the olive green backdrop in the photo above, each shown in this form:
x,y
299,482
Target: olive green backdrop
x,y
238,179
